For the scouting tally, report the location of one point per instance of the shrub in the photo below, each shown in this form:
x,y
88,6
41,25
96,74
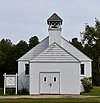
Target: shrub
x,y
87,84
23,91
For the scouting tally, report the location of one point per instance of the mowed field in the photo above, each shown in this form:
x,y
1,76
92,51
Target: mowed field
x,y
95,93
54,100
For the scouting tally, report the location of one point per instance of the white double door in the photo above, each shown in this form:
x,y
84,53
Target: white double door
x,y
49,83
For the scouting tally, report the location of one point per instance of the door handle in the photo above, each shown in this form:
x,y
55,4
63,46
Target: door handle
x,y
50,84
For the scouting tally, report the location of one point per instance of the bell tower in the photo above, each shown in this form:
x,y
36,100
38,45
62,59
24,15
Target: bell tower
x,y
54,29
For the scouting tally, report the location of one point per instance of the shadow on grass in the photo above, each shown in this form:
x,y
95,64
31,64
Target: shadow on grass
x,y
12,92
94,92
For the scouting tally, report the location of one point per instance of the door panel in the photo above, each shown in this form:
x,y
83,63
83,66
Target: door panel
x,y
44,82
49,83
55,83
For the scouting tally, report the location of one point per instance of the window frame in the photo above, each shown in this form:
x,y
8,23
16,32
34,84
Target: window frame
x,y
82,69
27,69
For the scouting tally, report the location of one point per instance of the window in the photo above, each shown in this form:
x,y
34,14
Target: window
x,y
26,69
82,69
54,79
44,79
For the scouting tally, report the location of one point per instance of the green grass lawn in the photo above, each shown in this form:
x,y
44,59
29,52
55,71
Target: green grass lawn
x,y
10,92
59,100
1,91
94,92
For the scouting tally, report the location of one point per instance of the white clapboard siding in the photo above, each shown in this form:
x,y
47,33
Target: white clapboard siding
x,y
55,53
74,51
35,50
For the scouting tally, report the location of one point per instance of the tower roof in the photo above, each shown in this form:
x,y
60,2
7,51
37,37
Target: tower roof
x,y
54,17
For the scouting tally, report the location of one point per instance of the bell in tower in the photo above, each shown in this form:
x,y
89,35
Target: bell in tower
x,y
54,21
54,29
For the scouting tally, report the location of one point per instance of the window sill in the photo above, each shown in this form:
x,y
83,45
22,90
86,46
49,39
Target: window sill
x,y
82,75
26,75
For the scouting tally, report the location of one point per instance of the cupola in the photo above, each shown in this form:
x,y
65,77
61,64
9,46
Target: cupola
x,y
54,29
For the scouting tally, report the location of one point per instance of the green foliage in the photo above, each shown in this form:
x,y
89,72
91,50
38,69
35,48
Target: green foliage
x,y
87,84
33,41
6,49
20,49
77,44
94,92
1,91
10,91
91,41
23,91
9,53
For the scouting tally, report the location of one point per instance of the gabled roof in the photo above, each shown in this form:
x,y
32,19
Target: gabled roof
x,y
35,50
54,53
74,51
54,17
45,44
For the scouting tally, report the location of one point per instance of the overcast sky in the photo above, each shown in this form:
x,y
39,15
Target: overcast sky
x,y
22,19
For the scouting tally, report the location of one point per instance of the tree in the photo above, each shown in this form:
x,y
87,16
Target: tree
x,y
5,57
33,41
20,49
9,53
87,84
91,42
77,44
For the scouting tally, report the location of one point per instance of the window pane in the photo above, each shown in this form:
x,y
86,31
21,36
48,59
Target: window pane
x,y
82,69
44,79
26,69
54,79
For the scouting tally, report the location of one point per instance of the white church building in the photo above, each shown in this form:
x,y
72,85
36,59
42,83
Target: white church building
x,y
54,66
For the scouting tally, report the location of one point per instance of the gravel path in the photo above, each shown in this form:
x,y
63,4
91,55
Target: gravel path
x,y
46,96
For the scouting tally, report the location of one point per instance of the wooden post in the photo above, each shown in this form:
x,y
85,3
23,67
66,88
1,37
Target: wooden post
x,y
16,83
4,83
